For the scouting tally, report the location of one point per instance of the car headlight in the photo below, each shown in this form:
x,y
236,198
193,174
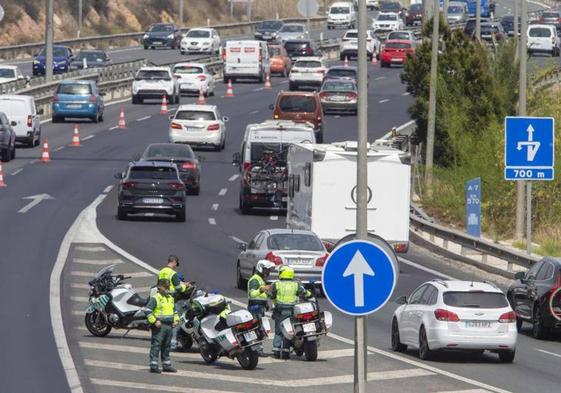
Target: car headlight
x,y
145,36
36,62
170,36
206,43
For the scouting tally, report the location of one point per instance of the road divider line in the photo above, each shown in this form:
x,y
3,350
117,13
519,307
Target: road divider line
x,y
406,94
379,78
549,353
212,221
233,177
144,118
222,192
214,207
151,387
58,149
113,128
236,239
88,137
90,249
16,172
97,262
383,101
259,89
253,112
107,189
131,274
274,218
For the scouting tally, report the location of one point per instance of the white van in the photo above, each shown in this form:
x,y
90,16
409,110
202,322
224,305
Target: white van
x,y
341,14
543,39
24,118
262,161
246,59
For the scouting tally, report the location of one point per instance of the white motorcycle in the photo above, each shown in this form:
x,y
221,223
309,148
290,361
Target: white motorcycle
x,y
240,339
305,327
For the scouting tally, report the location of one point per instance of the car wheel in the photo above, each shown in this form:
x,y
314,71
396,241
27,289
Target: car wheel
x,y
292,86
95,119
539,331
145,47
101,117
121,214
196,190
342,57
397,346
14,152
519,323
6,154
319,136
223,144
506,356
240,282
180,216
244,206
31,142
135,100
425,352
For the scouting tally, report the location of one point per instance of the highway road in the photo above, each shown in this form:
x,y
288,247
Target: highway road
x,y
30,241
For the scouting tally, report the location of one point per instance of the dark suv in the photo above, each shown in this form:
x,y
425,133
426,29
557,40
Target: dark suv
x,y
151,187
535,296
7,139
162,35
300,48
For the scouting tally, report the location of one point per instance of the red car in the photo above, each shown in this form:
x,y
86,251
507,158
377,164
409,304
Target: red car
x,y
395,52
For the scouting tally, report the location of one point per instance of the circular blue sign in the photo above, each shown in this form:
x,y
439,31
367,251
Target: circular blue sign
x,y
359,277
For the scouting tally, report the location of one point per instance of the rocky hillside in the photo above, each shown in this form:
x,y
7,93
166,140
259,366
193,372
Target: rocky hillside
x,y
25,19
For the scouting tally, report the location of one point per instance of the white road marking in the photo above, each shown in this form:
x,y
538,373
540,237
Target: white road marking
x,y
58,149
222,96
140,334
222,192
284,81
35,200
337,116
259,89
144,118
426,269
79,299
253,112
233,177
131,274
214,207
88,137
549,353
465,391
149,214
113,128
97,262
80,286
212,221
406,94
383,101
274,218
236,239
34,161
151,387
107,189
16,172
91,249
379,78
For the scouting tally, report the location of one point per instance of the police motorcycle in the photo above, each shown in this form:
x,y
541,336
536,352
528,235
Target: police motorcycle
x,y
114,304
239,338
305,327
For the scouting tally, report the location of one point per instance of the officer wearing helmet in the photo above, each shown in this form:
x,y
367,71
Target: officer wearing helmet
x,y
257,288
285,293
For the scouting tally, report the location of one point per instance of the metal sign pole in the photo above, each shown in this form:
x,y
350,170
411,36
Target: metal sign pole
x,y
49,33
80,17
362,187
529,217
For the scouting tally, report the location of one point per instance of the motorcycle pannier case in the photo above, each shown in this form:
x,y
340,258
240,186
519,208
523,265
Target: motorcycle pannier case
x,y
238,317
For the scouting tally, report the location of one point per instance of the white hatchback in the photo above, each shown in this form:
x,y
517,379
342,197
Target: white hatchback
x,y
198,125
455,315
307,71
200,40
194,77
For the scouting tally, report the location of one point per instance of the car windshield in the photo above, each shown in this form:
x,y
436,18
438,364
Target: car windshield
x,y
294,241
294,45
399,35
455,9
198,34
387,17
388,7
7,73
270,25
160,28
339,86
274,51
416,7
550,15
351,34
77,89
195,115
188,70
342,73
297,103
475,299
151,172
397,45
91,56
540,32
153,74
307,64
278,151
169,151
57,52
292,29
340,10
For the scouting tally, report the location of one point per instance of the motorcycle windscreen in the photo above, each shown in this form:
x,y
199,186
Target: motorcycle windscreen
x,y
105,270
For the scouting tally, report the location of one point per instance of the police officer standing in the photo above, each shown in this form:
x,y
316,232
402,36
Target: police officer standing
x,y
162,319
285,294
176,287
257,288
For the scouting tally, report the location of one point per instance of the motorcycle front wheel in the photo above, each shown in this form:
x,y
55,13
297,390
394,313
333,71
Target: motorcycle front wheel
x,y
311,350
248,359
97,324
185,340
208,354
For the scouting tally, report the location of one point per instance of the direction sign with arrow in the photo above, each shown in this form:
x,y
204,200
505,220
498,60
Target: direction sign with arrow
x,y
358,268
35,200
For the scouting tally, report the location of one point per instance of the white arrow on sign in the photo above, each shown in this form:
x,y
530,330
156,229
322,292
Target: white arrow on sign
x,y
533,147
35,200
358,267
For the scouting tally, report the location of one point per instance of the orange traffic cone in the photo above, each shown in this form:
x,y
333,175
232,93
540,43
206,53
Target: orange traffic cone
x,y
230,89
346,61
2,184
201,100
122,124
268,82
45,157
75,137
164,107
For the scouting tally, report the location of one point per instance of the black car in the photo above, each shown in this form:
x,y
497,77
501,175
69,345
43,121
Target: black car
x,y
182,156
507,22
300,48
267,30
151,187
535,296
391,6
490,30
92,59
162,35
469,28
7,139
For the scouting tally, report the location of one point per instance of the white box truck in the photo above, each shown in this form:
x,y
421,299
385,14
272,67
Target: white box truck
x,y
322,191
246,59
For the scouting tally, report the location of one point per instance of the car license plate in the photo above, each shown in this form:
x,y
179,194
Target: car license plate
x,y
478,324
250,336
309,327
74,106
157,42
153,201
337,98
299,262
397,60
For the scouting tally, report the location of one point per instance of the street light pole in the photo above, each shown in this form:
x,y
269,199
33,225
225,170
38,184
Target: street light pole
x,y
80,17
49,36
478,19
362,187
181,18
249,5
432,96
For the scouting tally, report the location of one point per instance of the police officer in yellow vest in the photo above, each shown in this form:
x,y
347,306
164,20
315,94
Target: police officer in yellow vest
x,y
176,287
162,319
285,294
257,288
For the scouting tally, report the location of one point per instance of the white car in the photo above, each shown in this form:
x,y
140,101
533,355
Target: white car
x,y
155,83
455,315
307,71
194,77
198,125
387,22
341,14
543,39
24,118
200,40
349,45
293,31
9,73
372,4
407,35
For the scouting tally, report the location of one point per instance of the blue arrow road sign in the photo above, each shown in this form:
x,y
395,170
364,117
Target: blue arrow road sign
x,y
529,148
359,277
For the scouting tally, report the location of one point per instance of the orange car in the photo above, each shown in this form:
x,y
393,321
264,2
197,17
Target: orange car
x,y
280,62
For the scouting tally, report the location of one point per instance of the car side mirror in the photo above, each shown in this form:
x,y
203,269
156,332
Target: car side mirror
x,y
136,157
201,158
401,300
20,77
236,159
242,246
118,176
519,276
102,94
170,117
225,119
13,123
41,111
272,107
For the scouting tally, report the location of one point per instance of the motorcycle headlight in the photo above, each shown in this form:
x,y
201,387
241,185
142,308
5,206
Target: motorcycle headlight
x,y
170,36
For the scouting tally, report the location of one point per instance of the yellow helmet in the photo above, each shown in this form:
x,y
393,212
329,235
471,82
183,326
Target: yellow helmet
x,y
286,273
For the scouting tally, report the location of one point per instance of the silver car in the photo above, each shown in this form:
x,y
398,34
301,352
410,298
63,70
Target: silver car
x,y
293,31
301,250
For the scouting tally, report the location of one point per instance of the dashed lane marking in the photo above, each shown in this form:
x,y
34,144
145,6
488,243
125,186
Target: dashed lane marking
x,y
233,177
465,391
150,387
97,262
379,78
113,128
236,239
107,191
212,221
91,249
253,112
259,89
549,353
406,94
214,207
144,118
130,274
222,192
274,218
88,137
58,149
16,172
383,101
